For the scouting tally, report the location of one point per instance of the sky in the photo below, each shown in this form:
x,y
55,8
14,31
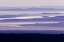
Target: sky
x,y
31,3
31,19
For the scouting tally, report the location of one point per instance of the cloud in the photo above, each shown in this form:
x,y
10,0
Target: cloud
x,y
9,16
60,24
21,17
30,19
51,13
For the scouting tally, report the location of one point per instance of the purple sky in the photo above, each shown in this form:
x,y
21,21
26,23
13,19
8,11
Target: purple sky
x,y
29,21
31,14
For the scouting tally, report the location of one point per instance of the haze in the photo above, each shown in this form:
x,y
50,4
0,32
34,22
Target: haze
x,y
31,3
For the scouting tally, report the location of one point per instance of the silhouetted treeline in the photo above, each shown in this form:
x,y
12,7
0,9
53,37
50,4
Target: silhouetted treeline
x,y
31,37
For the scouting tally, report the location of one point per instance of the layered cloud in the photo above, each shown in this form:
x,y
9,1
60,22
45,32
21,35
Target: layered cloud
x,y
48,19
53,24
32,19
57,21
9,16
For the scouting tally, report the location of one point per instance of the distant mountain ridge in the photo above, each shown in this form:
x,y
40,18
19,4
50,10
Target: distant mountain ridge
x,y
31,8
33,31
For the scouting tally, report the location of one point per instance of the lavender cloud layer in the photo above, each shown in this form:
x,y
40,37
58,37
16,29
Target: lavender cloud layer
x,y
32,21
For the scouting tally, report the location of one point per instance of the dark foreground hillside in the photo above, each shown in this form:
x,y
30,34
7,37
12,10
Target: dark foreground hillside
x,y
29,37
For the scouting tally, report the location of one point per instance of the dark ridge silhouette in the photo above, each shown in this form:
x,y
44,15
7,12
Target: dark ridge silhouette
x,y
33,31
31,37
31,9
